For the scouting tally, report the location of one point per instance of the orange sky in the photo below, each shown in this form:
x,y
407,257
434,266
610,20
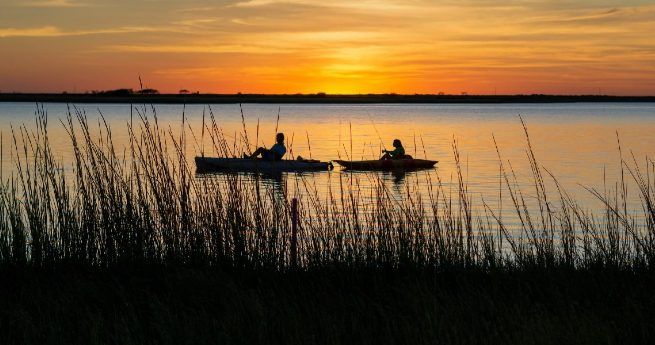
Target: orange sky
x,y
366,46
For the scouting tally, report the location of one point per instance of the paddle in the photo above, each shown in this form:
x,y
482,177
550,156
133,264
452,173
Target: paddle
x,y
376,131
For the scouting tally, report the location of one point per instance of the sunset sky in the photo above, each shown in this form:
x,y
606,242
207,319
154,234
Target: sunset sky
x,y
376,46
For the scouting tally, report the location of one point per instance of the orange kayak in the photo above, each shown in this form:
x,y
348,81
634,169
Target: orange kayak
x,y
387,164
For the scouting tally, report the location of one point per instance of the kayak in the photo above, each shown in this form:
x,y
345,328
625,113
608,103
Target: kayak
x,y
208,164
387,164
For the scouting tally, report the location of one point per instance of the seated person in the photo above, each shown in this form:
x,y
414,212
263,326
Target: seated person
x,y
397,153
274,154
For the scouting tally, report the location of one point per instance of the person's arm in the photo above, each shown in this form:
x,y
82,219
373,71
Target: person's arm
x,y
395,152
278,156
278,151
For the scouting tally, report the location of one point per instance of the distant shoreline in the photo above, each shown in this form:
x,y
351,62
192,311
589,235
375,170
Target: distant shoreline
x,y
310,98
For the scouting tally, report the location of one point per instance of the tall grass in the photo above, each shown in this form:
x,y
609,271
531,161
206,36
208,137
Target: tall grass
x,y
143,205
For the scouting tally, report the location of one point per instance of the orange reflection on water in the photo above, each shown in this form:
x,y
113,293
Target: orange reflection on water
x,y
577,142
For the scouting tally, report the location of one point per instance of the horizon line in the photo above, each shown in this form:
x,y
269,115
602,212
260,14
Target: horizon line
x,y
138,93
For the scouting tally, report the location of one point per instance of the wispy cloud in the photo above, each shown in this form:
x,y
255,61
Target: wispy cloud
x,y
369,5
198,48
52,31
199,22
45,31
256,3
53,3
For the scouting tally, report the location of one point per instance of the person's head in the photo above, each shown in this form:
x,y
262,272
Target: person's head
x,y
279,138
396,143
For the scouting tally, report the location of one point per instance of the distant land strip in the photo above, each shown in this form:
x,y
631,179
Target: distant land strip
x,y
309,98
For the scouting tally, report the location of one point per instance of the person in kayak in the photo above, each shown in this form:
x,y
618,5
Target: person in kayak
x,y
397,153
276,152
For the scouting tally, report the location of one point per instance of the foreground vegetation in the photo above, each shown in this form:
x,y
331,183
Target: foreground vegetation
x,y
201,306
130,247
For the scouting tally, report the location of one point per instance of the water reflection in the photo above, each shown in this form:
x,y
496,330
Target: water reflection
x,y
576,142
275,180
396,176
284,184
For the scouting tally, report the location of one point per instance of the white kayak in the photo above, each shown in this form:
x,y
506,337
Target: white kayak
x,y
208,164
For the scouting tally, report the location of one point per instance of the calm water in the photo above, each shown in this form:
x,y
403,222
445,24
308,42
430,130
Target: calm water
x,y
576,142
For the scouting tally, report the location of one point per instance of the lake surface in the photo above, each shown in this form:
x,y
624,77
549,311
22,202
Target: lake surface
x,y
576,142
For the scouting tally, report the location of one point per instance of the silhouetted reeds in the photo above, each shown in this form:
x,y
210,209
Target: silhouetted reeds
x,y
144,205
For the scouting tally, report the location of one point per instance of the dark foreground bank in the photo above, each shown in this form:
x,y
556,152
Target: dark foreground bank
x,y
308,98
205,306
